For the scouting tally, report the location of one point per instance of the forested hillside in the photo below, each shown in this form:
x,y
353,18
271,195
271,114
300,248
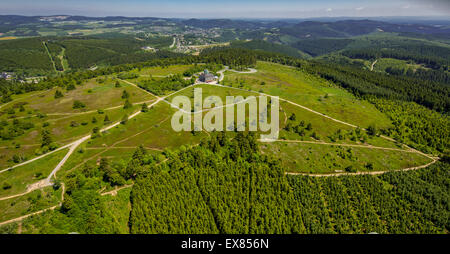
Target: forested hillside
x,y
24,56
227,186
268,47
30,56
236,189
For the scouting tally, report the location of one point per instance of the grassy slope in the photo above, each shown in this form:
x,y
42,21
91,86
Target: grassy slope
x,y
310,91
24,175
153,130
60,114
32,202
317,158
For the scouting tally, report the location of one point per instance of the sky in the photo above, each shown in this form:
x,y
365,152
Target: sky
x,y
228,8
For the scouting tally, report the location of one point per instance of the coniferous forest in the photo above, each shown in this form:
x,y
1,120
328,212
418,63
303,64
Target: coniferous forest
x,y
236,189
225,185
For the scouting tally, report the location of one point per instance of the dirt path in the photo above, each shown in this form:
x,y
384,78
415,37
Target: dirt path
x,y
38,212
72,146
1,106
37,158
174,42
114,192
373,64
163,99
364,173
410,150
76,143
94,111
29,215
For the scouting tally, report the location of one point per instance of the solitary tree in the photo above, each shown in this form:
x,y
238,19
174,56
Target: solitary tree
x,y
144,108
372,130
106,120
127,104
293,117
58,94
78,104
46,138
124,119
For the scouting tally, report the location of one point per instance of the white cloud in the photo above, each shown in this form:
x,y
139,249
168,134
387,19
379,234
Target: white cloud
x,y
329,10
360,8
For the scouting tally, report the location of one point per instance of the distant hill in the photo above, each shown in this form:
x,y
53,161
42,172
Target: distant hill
x,y
348,28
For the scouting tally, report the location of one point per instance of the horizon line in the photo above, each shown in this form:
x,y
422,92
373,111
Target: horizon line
x,y
232,18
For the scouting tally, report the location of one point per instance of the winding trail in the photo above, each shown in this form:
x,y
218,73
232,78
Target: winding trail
x,y
1,106
72,146
363,173
114,192
373,64
29,215
339,144
174,42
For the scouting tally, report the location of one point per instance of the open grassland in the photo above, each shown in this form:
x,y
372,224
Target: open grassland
x,y
7,38
212,90
161,71
308,142
16,180
307,90
321,158
25,152
325,129
152,129
66,127
42,111
32,202
63,129
93,94
383,63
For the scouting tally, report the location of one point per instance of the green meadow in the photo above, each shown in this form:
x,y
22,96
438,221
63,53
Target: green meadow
x,y
310,91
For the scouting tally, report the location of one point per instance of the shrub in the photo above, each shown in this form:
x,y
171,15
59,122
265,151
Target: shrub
x,y
78,104
6,186
350,169
58,94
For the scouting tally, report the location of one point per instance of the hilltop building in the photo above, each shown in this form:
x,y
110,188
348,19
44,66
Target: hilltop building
x,y
207,77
